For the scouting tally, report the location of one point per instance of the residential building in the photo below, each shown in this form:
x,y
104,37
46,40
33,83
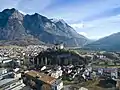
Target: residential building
x,y
3,71
56,74
82,88
42,81
10,80
59,46
11,84
6,61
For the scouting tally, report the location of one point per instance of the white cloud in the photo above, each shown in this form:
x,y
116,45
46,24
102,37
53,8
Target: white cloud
x,y
83,33
76,26
78,11
98,28
81,25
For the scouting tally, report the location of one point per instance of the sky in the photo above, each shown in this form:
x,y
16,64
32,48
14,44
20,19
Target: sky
x,y
92,18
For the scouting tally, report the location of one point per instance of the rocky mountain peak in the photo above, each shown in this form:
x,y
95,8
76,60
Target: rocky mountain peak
x,y
16,26
13,13
60,21
9,11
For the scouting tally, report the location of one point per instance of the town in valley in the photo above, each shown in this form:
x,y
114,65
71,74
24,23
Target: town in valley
x,y
56,67
59,44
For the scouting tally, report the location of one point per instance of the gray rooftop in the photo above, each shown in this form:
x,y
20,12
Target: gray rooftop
x,y
8,81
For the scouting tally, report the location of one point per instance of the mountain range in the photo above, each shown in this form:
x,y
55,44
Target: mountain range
x,y
108,43
19,29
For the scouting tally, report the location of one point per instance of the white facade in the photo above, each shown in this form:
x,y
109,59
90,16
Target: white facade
x,y
3,71
6,61
16,69
18,62
18,85
56,74
58,85
114,74
18,75
61,46
43,68
82,88
3,58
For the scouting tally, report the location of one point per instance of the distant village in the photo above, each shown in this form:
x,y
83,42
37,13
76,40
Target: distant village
x,y
54,67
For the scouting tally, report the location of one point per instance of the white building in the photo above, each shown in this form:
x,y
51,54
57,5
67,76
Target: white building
x,y
82,88
3,71
18,62
43,68
3,58
11,84
16,69
114,74
57,85
6,61
56,74
45,82
59,46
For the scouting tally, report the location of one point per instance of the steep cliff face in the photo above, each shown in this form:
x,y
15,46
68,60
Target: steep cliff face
x,y
12,30
36,29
